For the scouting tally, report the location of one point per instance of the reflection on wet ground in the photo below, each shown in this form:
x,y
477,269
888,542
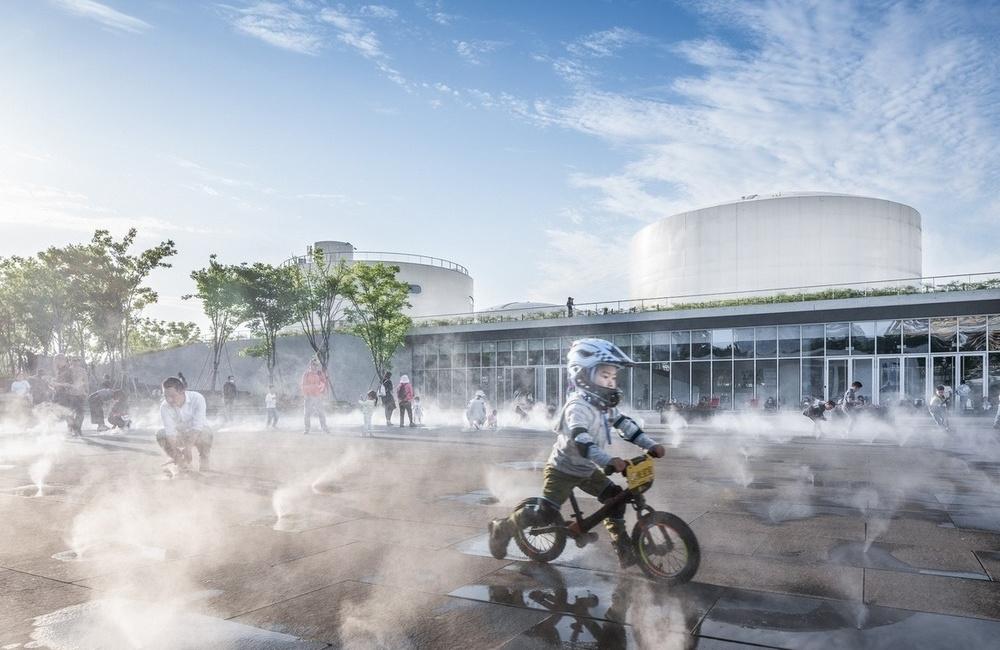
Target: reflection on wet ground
x,y
879,556
776,620
32,491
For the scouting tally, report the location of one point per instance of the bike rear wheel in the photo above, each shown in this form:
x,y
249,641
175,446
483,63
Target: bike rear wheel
x,y
542,546
666,548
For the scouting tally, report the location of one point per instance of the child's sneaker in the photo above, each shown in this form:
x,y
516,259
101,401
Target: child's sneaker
x,y
499,538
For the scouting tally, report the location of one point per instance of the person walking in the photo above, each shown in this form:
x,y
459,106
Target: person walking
x,y
228,397
96,401
314,383
418,411
849,405
405,395
271,406
388,401
964,392
70,391
569,307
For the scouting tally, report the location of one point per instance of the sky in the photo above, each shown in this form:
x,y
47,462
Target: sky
x,y
526,141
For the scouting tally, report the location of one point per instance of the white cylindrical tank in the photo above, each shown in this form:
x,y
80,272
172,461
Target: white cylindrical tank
x,y
776,241
437,286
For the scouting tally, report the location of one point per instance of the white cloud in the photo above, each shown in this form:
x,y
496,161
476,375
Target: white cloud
x,y
103,14
605,43
833,97
582,263
379,11
279,25
472,51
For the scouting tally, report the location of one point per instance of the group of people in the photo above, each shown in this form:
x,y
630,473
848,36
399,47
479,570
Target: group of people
x,y
70,386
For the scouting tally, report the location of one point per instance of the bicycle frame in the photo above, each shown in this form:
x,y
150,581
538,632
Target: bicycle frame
x,y
583,524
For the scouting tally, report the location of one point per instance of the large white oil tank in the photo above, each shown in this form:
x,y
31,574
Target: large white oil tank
x,y
437,286
775,241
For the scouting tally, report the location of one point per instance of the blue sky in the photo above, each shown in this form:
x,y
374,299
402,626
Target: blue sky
x,y
525,140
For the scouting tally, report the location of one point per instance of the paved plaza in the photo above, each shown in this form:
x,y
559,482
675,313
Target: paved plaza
x,y
889,538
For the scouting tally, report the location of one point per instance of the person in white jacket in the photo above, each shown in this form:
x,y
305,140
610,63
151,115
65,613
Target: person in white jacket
x,y
184,426
475,412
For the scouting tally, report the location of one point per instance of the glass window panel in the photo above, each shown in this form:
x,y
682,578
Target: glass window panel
x,y
660,390
445,353
701,344
943,369
722,384
788,341
915,335
640,386
535,352
972,333
553,397
640,348
971,374
944,334
994,380
767,383
680,345
888,382
680,382
489,353
743,343
459,392
503,353
473,355
743,384
431,356
888,335
915,379
788,383
701,384
433,386
661,346
552,356
812,340
519,355
722,344
458,355
767,341
625,386
994,334
863,338
623,341
812,377
861,371
838,339
417,360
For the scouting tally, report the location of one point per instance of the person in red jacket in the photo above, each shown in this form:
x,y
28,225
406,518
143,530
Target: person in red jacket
x,y
405,394
314,382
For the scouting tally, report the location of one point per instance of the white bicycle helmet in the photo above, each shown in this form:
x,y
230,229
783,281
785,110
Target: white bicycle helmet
x,y
581,362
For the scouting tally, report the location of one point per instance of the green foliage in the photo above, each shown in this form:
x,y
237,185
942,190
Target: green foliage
x,y
377,301
322,288
149,334
269,300
222,301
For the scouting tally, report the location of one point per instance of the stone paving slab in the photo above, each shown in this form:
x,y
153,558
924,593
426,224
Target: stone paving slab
x,y
766,574
937,594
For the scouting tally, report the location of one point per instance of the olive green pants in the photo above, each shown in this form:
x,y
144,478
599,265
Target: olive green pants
x,y
557,486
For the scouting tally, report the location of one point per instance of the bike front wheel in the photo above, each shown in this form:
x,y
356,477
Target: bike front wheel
x,y
666,548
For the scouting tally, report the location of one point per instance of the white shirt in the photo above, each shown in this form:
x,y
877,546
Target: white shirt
x,y
189,417
270,401
20,388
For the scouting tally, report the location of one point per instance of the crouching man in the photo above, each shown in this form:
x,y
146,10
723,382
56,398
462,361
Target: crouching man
x,y
184,425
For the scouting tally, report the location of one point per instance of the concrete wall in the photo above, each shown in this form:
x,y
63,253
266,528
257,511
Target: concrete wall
x,y
766,243
442,291
351,369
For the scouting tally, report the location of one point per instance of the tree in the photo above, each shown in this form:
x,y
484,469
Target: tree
x,y
221,299
322,288
269,300
149,334
376,311
108,282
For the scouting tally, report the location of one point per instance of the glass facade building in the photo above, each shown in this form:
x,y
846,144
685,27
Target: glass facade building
x,y
728,367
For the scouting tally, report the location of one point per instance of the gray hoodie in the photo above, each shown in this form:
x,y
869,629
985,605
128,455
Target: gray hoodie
x,y
584,431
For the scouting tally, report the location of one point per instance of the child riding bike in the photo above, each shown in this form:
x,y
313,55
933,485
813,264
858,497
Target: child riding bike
x,y
578,455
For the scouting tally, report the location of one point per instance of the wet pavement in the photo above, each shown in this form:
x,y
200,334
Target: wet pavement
x,y
339,542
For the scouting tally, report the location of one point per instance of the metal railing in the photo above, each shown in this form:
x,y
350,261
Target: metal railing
x,y
898,286
383,256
